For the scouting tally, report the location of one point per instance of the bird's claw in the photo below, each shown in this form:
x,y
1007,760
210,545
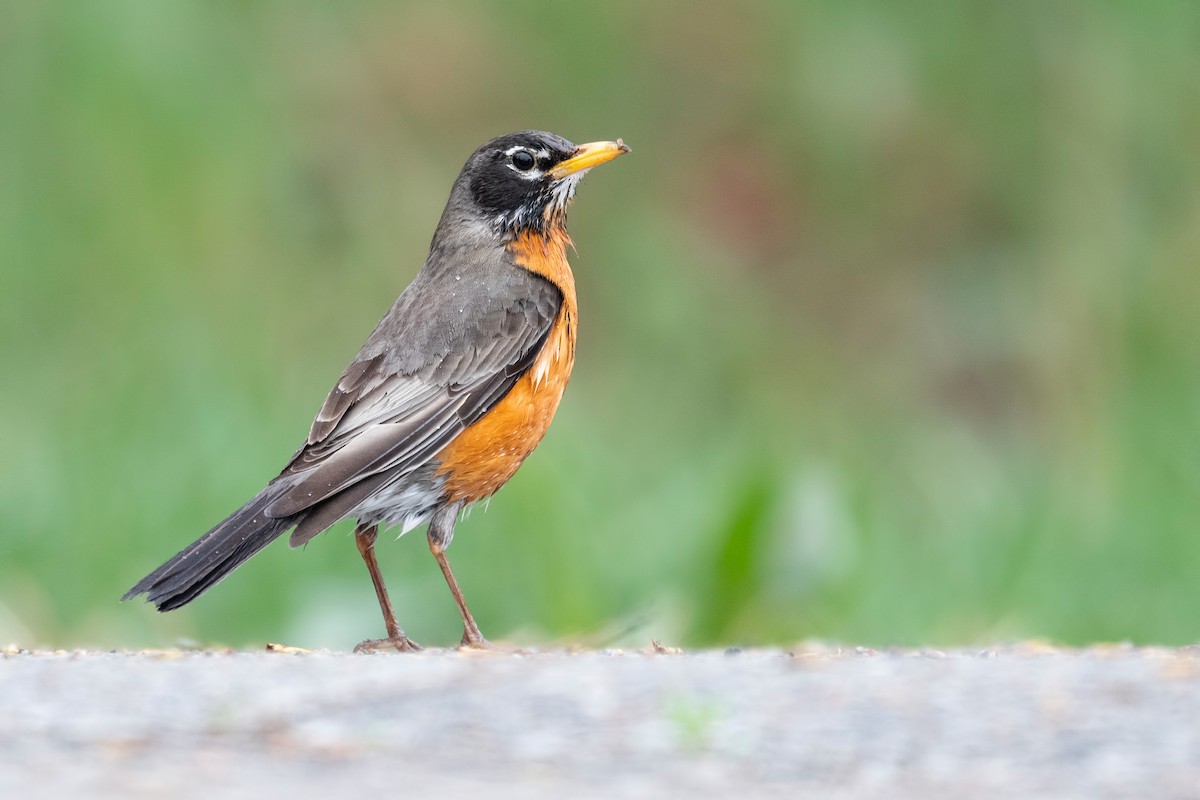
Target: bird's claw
x,y
473,640
400,644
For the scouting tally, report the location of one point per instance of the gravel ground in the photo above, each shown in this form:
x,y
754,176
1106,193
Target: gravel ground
x,y
1020,721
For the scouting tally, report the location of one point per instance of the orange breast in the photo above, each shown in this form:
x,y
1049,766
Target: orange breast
x,y
482,458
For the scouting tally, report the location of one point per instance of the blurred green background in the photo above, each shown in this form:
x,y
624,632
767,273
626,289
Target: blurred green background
x,y
890,325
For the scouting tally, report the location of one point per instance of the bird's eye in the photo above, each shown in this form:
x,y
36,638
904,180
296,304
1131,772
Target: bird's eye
x,y
523,160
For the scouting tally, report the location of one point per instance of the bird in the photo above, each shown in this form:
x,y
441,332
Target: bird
x,y
449,394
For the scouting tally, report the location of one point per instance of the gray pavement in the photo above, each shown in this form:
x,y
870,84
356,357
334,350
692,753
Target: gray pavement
x,y
821,721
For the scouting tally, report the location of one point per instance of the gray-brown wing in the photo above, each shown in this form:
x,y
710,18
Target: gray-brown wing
x,y
391,413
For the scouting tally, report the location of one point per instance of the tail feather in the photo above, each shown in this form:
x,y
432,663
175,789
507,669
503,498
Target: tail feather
x,y
200,565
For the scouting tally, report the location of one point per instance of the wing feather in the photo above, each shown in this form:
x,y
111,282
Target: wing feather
x,y
390,413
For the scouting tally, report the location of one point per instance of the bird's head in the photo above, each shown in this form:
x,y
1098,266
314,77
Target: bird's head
x,y
525,181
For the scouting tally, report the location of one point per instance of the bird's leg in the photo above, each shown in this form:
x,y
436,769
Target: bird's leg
x,y
471,635
441,531
364,538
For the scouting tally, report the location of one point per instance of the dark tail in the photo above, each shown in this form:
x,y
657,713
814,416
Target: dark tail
x,y
200,565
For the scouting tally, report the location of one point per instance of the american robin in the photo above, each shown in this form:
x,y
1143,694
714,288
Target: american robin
x,y
451,392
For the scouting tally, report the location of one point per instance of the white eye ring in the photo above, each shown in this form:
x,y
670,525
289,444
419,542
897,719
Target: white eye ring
x,y
523,154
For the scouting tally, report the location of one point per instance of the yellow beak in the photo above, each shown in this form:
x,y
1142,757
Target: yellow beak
x,y
587,156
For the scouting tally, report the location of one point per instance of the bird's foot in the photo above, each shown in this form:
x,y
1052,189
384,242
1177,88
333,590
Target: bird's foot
x,y
400,644
473,640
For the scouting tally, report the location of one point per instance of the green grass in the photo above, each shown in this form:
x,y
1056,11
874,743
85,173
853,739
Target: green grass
x,y
889,327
